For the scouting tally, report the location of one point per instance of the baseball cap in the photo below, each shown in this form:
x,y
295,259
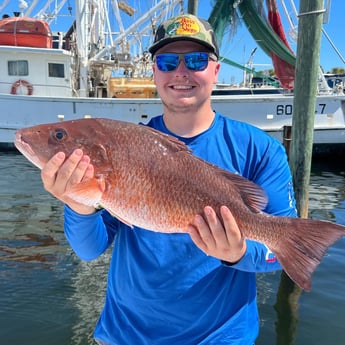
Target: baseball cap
x,y
185,27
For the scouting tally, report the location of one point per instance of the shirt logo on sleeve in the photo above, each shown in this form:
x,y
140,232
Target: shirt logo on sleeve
x,y
270,257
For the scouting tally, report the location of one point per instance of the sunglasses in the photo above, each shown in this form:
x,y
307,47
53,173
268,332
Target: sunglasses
x,y
194,61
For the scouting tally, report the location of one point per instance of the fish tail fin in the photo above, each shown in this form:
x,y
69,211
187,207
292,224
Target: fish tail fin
x,y
305,243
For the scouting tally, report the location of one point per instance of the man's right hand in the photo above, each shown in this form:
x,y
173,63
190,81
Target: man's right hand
x,y
58,175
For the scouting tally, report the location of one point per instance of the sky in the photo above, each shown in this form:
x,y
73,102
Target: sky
x,y
239,47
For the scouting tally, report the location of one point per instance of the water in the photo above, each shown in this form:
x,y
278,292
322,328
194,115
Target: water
x,y
48,296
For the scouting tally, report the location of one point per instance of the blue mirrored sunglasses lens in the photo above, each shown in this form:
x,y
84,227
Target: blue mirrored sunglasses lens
x,y
196,61
167,62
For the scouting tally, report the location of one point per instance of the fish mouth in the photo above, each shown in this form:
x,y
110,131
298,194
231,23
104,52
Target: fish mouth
x,y
25,148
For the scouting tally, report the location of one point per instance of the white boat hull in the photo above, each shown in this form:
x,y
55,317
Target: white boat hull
x,y
270,113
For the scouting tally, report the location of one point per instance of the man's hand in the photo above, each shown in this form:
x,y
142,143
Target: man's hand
x,y
225,243
59,175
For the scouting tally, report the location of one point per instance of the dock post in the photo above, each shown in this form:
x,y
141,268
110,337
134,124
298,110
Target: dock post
x,y
305,91
300,149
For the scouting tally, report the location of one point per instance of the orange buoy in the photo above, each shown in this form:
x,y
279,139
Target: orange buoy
x,y
21,83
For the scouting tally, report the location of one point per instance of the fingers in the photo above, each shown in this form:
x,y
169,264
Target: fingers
x,y
220,238
233,233
48,173
89,172
209,230
200,233
60,174
73,170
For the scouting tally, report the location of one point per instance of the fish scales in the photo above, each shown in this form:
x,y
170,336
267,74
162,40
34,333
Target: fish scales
x,y
175,185
151,180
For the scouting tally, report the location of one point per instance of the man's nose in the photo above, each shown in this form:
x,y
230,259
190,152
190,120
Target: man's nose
x,y
181,67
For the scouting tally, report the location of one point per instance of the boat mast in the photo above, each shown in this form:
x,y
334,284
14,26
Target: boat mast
x,y
4,4
103,49
156,13
82,36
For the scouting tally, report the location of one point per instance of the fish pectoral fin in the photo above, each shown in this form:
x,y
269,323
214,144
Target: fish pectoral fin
x,y
88,192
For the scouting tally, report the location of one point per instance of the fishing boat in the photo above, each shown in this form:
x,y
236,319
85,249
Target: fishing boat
x,y
92,70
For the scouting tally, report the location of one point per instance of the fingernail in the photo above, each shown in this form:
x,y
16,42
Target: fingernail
x,y
198,220
85,159
224,209
208,210
78,152
189,228
60,155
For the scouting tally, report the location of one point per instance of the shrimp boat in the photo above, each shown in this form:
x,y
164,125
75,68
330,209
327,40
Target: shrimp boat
x,y
100,67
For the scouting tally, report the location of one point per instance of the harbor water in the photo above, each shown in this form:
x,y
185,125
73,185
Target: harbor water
x,y
49,296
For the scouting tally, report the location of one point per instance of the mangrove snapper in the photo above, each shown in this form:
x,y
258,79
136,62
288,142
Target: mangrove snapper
x,y
151,180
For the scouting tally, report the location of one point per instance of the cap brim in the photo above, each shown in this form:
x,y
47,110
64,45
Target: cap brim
x,y
160,44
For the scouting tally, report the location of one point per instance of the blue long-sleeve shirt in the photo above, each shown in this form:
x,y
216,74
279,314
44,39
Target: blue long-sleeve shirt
x,y
161,288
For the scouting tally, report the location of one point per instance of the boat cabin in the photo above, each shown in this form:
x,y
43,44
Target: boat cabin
x,y
35,71
28,63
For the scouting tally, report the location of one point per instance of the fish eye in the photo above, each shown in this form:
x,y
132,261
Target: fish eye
x,y
60,134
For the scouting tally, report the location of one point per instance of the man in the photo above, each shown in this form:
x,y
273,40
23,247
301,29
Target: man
x,y
195,288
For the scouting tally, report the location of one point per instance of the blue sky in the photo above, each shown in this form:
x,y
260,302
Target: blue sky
x,y
241,45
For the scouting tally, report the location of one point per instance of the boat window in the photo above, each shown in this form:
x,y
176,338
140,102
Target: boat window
x,y
18,67
56,70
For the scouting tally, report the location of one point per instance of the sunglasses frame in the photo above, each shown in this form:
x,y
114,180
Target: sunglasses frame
x,y
182,57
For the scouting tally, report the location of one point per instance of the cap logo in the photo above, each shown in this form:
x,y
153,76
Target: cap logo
x,y
183,26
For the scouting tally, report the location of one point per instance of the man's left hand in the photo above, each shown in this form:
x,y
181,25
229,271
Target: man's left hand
x,y
223,242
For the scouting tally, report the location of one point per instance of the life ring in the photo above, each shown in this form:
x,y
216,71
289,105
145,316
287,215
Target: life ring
x,y
21,82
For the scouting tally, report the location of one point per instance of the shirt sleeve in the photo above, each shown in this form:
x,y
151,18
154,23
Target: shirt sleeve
x,y
258,258
88,235
273,174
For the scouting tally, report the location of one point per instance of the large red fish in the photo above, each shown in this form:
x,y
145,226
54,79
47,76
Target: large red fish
x,y
151,180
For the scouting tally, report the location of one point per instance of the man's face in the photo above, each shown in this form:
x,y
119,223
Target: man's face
x,y
183,88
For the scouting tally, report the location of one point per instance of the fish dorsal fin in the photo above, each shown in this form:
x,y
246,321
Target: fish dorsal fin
x,y
175,144
252,195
